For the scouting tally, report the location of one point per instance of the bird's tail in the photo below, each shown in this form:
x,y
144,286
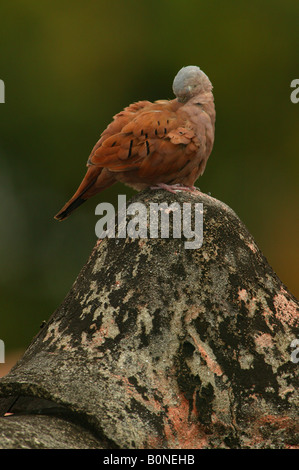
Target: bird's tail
x,y
87,188
75,201
96,180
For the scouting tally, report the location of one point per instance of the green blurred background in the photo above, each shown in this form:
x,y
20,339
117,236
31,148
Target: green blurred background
x,y
69,66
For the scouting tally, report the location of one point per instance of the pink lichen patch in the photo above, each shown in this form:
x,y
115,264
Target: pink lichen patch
x,y
264,341
211,363
243,295
193,313
180,431
252,247
286,310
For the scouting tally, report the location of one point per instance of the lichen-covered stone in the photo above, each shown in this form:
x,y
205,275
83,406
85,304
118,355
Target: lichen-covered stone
x,y
159,346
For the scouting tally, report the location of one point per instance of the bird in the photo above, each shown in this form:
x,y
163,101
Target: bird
x,y
162,144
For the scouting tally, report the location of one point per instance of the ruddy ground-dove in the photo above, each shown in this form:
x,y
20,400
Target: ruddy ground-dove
x,y
162,144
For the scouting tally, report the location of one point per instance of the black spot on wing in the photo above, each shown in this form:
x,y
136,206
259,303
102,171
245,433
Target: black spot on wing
x,y
130,149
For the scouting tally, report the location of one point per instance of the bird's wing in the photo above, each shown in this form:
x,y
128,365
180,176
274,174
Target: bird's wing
x,y
144,134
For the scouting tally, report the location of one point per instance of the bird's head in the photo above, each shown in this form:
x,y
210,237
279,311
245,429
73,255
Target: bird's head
x,y
190,81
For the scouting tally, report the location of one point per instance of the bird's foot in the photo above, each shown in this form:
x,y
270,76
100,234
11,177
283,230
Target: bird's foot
x,y
172,188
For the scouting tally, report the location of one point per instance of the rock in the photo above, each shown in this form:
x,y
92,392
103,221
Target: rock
x,y
159,346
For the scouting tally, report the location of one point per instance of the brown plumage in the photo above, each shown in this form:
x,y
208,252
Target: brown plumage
x,y
148,144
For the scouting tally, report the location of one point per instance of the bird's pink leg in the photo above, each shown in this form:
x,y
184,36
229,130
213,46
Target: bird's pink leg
x,y
172,188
